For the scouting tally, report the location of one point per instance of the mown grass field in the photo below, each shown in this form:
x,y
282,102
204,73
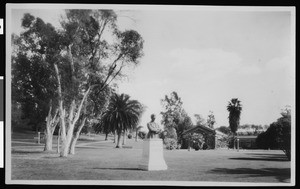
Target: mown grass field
x,y
99,160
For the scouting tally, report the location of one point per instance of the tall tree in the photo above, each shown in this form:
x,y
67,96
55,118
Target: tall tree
x,y
33,84
79,60
234,108
122,114
91,63
211,120
174,117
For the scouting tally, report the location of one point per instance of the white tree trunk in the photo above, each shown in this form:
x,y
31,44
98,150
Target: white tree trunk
x,y
68,122
51,123
72,145
48,142
75,138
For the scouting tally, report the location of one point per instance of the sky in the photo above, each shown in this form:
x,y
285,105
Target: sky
x,y
208,55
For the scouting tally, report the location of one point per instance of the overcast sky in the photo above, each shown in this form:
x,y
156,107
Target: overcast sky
x,y
208,56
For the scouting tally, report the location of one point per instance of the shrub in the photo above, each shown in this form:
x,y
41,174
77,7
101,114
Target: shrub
x,y
170,133
142,134
205,146
129,135
170,143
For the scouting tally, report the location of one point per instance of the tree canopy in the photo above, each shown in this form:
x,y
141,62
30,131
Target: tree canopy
x,y
72,67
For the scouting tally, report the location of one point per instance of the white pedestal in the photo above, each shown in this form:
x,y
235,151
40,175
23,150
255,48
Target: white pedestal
x,y
153,157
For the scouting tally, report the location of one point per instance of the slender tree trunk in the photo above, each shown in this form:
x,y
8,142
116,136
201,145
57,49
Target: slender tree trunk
x,y
58,141
51,123
124,137
136,135
72,145
66,142
119,140
115,136
234,141
75,137
106,134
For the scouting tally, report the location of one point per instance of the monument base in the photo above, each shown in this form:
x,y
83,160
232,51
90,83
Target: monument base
x,y
152,158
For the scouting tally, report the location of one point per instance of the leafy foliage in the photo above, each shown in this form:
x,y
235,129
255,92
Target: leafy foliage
x,y
73,66
224,129
121,114
200,120
278,135
170,143
33,84
211,120
196,140
174,116
142,134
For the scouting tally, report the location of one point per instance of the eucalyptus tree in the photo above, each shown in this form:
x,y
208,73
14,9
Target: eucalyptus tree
x,y
86,55
33,81
234,108
90,63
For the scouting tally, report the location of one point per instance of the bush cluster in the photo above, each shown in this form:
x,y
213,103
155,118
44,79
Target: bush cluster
x,y
142,134
129,135
170,143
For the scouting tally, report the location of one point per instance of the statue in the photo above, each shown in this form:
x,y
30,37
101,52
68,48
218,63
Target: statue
x,y
152,157
154,129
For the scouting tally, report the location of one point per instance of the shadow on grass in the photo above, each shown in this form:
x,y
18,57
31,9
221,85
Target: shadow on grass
x,y
119,168
281,174
26,152
263,157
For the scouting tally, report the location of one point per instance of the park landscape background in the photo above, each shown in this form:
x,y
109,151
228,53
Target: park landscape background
x,y
78,78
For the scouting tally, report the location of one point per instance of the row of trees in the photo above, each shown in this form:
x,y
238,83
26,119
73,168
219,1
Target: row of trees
x,y
65,76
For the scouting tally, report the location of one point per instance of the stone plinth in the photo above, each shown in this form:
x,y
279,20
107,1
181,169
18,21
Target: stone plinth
x,y
153,157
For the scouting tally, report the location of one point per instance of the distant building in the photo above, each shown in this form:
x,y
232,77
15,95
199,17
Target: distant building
x,y
247,142
208,133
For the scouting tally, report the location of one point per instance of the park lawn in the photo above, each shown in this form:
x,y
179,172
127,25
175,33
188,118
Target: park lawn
x,y
101,161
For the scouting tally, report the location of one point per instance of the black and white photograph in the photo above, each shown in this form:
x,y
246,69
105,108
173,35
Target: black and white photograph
x,y
169,95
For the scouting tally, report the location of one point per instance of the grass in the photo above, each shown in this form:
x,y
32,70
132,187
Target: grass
x,y
99,160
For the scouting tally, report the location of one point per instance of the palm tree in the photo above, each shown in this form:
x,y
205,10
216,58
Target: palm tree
x,y
103,126
122,114
234,107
